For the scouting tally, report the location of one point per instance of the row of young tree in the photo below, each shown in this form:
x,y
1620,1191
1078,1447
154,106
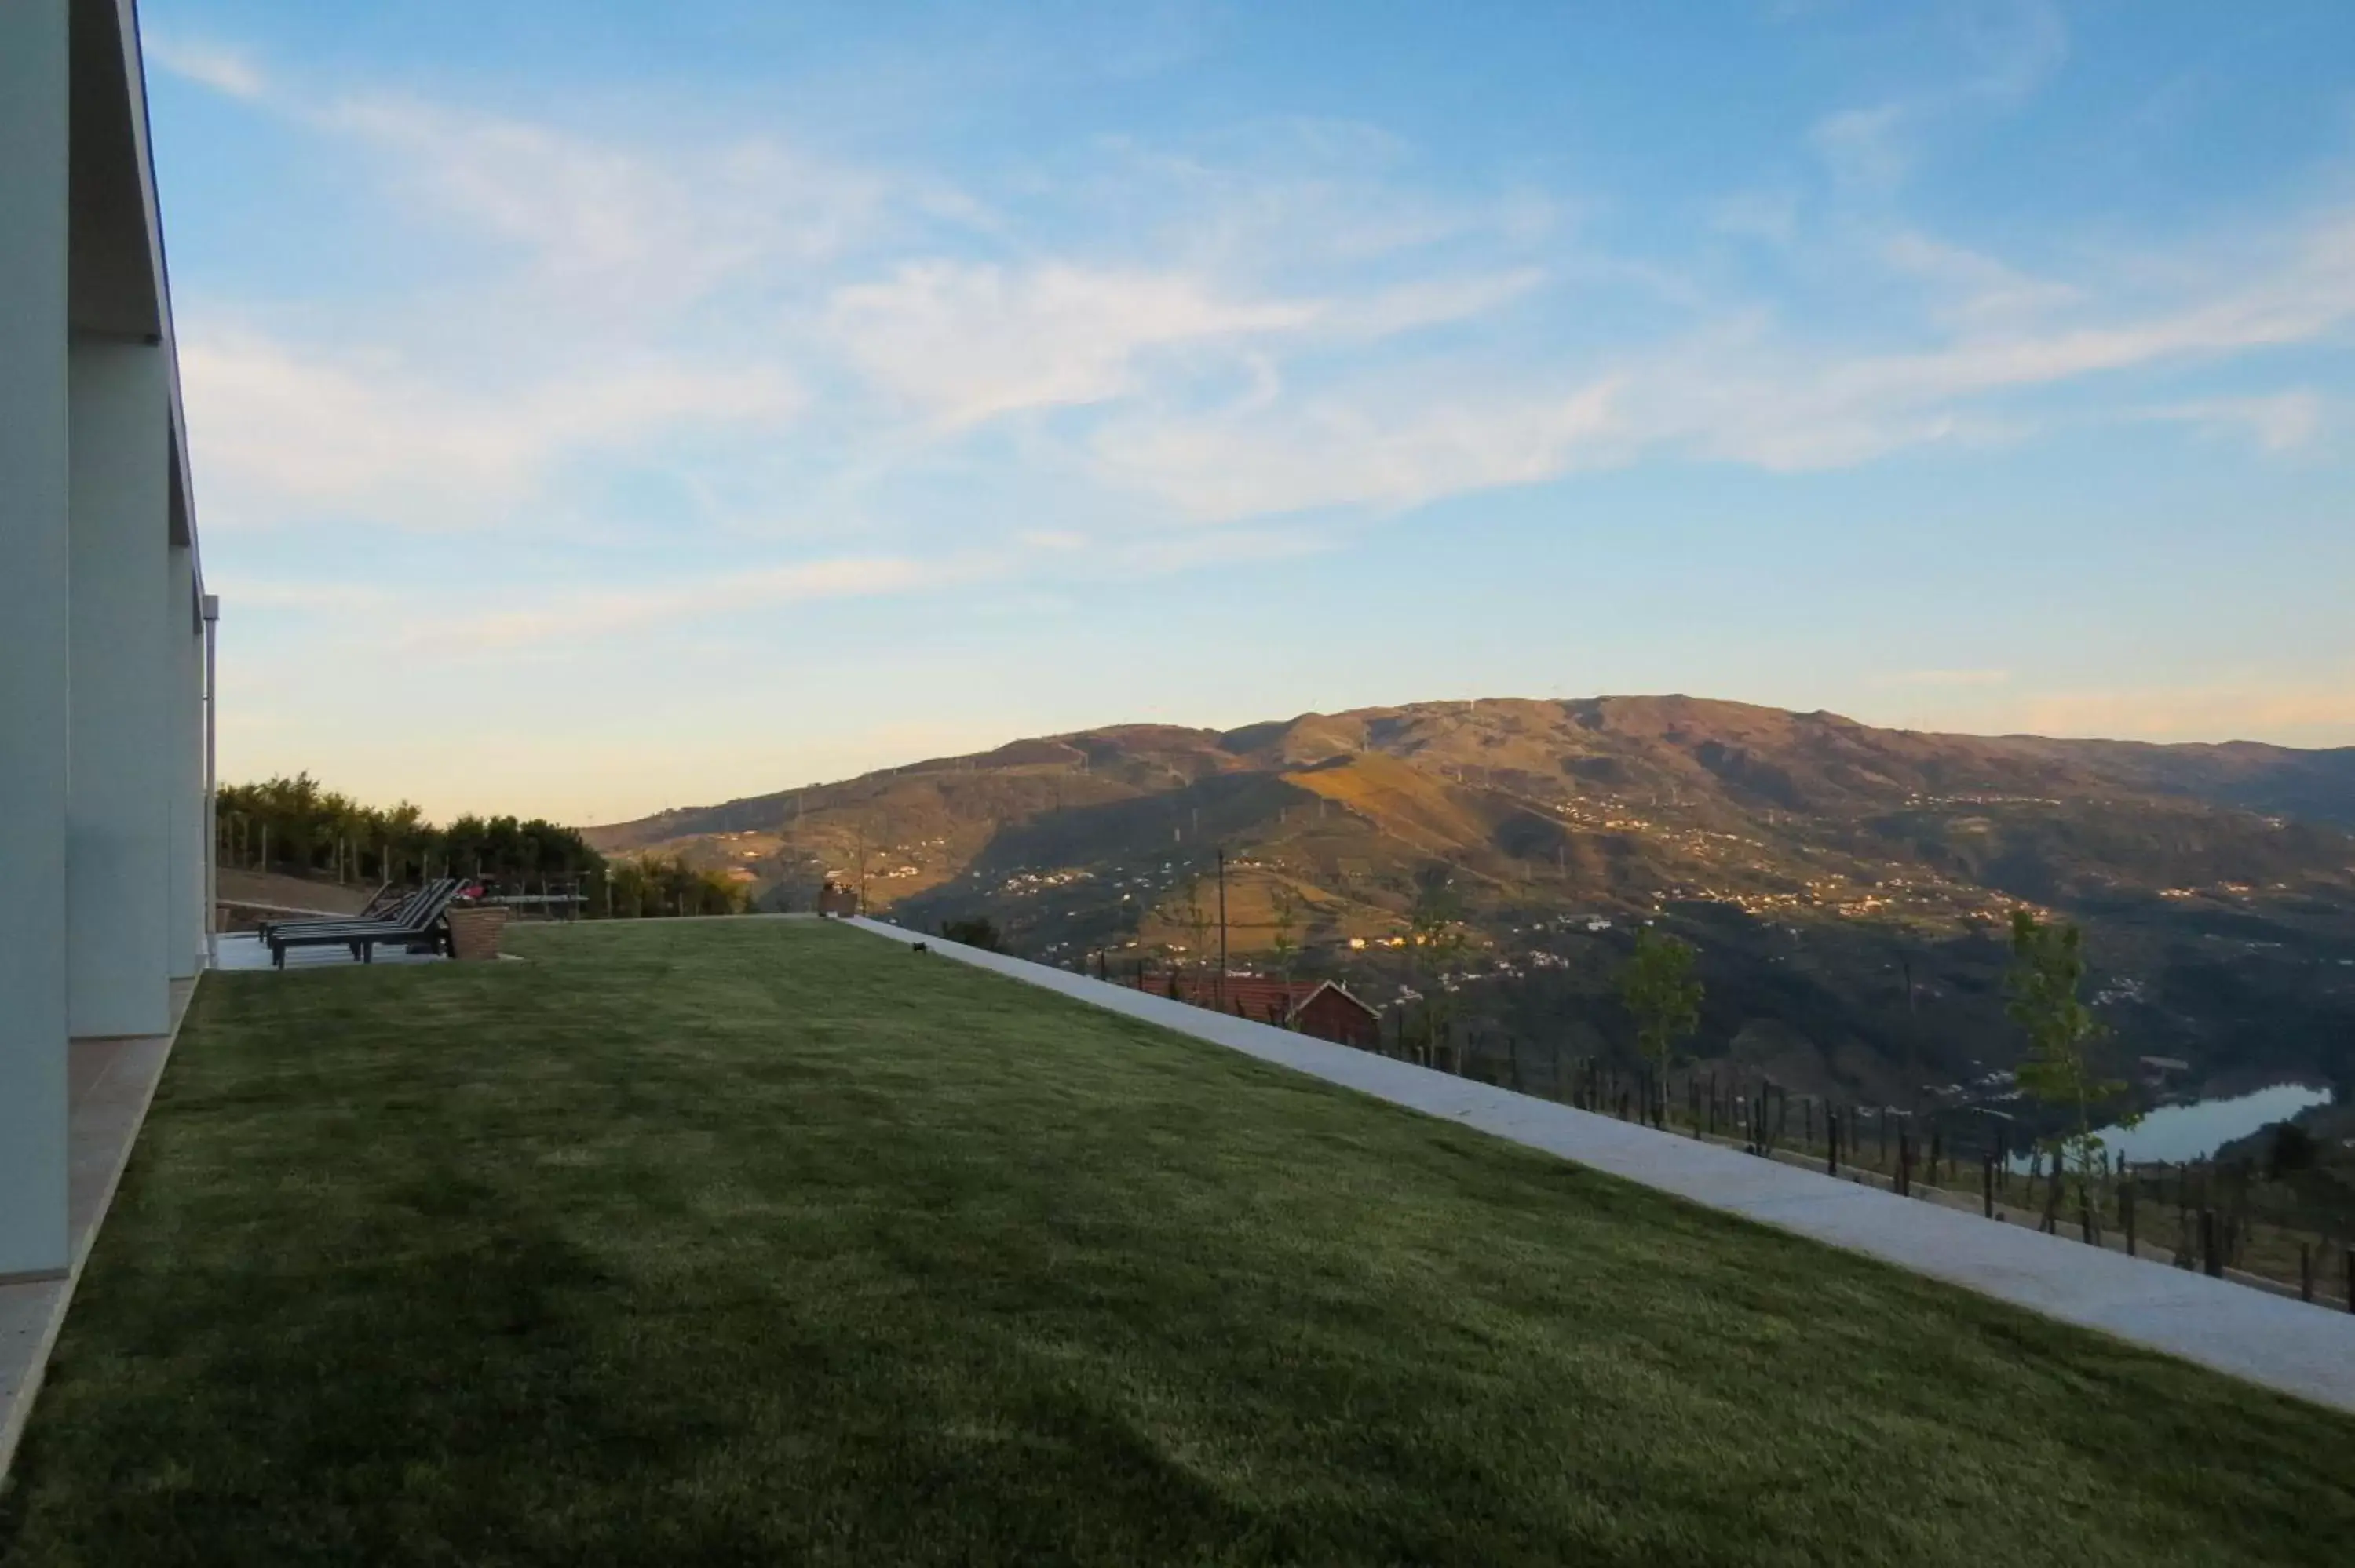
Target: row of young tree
x,y
2059,1071
297,826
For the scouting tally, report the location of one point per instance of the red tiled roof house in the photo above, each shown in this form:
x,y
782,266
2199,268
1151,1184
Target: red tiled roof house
x,y
1321,1008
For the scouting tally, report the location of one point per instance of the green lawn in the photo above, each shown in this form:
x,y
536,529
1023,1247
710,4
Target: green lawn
x,y
762,1241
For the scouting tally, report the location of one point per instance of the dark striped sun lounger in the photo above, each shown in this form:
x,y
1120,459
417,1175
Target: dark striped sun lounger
x,y
389,903
419,923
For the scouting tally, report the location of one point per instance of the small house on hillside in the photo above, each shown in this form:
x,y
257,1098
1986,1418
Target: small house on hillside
x,y
1324,1009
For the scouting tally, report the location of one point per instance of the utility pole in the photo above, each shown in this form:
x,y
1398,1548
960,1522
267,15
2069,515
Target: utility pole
x,y
1222,930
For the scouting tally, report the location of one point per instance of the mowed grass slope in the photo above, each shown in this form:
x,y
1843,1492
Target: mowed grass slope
x,y
761,1241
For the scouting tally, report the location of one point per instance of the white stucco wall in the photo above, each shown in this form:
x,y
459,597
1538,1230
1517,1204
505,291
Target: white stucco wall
x,y
34,636
118,803
183,773
103,837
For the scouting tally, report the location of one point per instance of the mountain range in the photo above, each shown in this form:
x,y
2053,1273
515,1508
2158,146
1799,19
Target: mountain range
x,y
1846,885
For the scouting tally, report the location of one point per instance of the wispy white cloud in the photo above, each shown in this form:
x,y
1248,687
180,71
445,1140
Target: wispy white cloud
x,y
2015,47
1439,300
1199,347
1389,452
1975,290
2299,703
1864,149
286,434
463,624
963,342
1308,192
1740,390
2003,53
2280,422
230,71
617,227
2313,294
601,612
2217,710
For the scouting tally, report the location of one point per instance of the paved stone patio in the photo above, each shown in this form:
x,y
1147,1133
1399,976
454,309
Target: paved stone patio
x,y
244,950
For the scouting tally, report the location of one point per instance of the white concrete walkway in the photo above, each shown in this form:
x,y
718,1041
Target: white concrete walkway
x,y
2286,1345
244,950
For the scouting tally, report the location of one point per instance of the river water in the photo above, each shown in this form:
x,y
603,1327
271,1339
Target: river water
x,y
2178,1133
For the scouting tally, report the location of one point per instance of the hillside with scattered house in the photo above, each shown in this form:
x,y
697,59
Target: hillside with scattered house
x,y
1845,882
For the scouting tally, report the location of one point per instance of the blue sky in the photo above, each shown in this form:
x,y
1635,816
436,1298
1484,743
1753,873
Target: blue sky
x,y
673,403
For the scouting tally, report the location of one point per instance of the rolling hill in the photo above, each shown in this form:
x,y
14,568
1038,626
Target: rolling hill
x,y
1846,884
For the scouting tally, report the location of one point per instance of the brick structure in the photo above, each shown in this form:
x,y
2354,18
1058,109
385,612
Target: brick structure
x,y
1321,1008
